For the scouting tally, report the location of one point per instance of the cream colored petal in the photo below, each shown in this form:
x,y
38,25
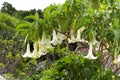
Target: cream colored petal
x,y
117,60
54,40
42,47
35,53
91,43
45,40
42,53
48,46
79,31
2,78
72,37
78,38
60,37
94,41
90,53
28,53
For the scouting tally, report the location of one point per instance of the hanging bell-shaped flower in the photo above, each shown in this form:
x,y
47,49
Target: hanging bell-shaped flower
x,y
42,49
94,41
72,37
90,53
35,53
60,37
28,53
117,60
78,38
91,43
55,39
46,41
42,53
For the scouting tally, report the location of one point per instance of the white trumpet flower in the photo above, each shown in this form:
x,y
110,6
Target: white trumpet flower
x,y
28,53
46,41
61,37
55,39
91,43
78,38
42,49
42,53
90,53
72,37
117,60
94,41
35,53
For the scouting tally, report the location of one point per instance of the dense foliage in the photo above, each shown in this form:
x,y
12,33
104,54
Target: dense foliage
x,y
78,40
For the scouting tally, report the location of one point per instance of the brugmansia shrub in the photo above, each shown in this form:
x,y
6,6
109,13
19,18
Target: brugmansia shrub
x,y
93,22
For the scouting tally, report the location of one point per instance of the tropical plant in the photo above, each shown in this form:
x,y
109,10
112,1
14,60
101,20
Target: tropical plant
x,y
84,34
